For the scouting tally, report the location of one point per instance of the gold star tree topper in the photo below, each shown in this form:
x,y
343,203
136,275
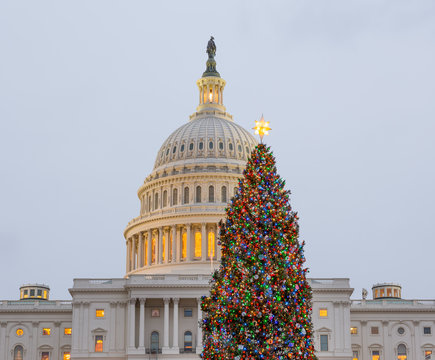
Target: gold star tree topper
x,y
262,128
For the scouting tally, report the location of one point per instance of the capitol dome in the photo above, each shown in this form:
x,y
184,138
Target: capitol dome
x,y
195,174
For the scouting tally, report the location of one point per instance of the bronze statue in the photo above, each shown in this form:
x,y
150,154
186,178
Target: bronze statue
x,y
211,47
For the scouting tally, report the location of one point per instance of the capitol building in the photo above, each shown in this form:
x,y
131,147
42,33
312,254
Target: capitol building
x,y
153,310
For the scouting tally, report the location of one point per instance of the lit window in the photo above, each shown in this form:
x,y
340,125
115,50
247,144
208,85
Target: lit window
x,y
45,355
389,293
188,341
376,294
211,244
67,331
354,330
188,312
427,354
374,330
46,331
26,293
99,343
375,355
354,355
382,292
146,252
198,244
163,247
198,194
211,193
66,355
153,251
19,332
45,294
323,342
427,330
396,293
184,246
323,312
401,352
99,313
155,313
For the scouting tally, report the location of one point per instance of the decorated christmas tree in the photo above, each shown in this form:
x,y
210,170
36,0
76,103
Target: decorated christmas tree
x,y
260,300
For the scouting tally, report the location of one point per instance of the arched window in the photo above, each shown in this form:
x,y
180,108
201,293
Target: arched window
x,y
211,244
211,193
221,145
153,251
224,194
401,352
198,244
154,342
230,146
186,195
156,201
18,352
188,341
175,197
198,194
210,145
191,146
201,146
184,246
165,198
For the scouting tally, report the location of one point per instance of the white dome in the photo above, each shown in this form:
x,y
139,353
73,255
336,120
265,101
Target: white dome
x,y
207,138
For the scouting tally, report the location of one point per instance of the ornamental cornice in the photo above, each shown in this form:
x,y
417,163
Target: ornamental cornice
x,y
91,289
391,310
332,290
36,310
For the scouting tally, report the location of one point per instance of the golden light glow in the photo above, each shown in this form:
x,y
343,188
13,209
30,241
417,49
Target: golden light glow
x,y
46,331
45,294
99,344
163,248
99,313
67,331
401,357
210,96
146,252
184,246
354,330
26,296
323,312
375,357
19,332
198,244
211,244
153,251
262,127
66,355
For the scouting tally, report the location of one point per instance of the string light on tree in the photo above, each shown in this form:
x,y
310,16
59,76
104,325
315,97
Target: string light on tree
x,y
259,305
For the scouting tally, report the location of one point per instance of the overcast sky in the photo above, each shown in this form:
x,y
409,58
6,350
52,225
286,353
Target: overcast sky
x,y
89,90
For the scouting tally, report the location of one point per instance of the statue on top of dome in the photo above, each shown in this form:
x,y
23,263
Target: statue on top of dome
x,y
211,47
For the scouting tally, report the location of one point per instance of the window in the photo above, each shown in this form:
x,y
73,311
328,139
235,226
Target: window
x,y
167,151
99,313
427,354
67,331
400,330
19,332
154,342
26,293
182,148
45,294
224,194
221,145
239,147
165,198
191,146
211,244
45,355
374,330
174,197
323,342
46,331
163,247
211,193
323,312
39,293
354,330
66,355
99,343
201,145
18,352
156,201
210,145
188,341
198,194
198,239
354,355
174,149
155,313
188,312
230,146
427,330
401,352
184,246
186,195
32,292
375,355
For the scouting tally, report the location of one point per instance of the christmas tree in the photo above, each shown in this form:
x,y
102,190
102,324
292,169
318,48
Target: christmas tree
x,y
260,300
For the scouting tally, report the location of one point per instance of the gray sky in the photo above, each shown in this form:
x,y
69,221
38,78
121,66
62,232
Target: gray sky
x,y
89,90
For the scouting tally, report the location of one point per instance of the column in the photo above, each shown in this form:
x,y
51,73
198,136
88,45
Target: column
x,y
150,239
199,338
133,238
345,324
140,258
338,330
142,324
203,242
127,260
112,328
131,334
175,329
166,324
56,350
188,242
167,244
178,244
85,345
174,243
34,349
131,253
364,345
2,340
217,247
75,325
160,245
